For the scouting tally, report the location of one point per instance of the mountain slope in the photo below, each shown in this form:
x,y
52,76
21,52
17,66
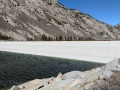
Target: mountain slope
x,y
30,19
117,26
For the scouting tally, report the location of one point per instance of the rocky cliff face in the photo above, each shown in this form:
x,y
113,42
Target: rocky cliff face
x,y
30,19
103,78
117,26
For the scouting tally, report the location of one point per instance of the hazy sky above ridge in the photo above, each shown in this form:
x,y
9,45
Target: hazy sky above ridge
x,y
107,11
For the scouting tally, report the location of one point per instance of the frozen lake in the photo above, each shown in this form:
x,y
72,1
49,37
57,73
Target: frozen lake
x,y
95,51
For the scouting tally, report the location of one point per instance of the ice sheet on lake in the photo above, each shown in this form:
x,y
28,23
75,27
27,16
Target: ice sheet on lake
x,y
95,51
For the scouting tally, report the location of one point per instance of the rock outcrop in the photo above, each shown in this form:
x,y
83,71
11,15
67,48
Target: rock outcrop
x,y
30,19
113,66
75,80
117,26
15,88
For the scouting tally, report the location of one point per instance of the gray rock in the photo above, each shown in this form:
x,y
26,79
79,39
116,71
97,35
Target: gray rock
x,y
101,77
15,88
81,88
58,77
74,75
94,76
88,86
107,74
113,66
76,87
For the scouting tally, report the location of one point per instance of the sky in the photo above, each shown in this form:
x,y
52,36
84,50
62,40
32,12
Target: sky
x,y
107,11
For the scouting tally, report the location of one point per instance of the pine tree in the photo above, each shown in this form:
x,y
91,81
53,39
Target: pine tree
x,y
71,38
60,38
68,39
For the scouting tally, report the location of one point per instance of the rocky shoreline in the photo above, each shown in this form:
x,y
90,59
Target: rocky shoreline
x,y
76,80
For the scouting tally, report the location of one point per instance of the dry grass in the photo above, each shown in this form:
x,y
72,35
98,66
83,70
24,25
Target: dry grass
x,y
112,83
